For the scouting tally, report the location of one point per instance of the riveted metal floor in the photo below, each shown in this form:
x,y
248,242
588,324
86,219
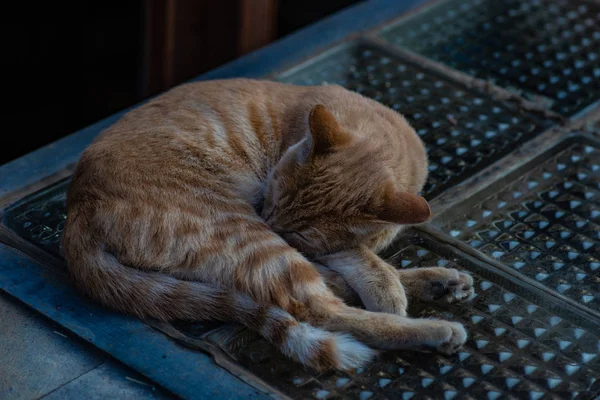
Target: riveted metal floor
x,y
505,96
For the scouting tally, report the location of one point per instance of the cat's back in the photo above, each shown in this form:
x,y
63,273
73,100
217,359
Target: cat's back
x,y
197,110
171,166
194,130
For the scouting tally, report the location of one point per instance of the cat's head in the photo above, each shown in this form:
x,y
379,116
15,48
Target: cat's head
x,y
336,188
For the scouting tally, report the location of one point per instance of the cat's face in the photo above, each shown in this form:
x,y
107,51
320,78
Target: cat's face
x,y
331,192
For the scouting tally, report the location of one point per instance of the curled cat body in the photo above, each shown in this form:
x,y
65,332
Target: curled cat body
x,y
264,204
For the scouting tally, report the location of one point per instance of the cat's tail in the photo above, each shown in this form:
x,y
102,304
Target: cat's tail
x,y
148,294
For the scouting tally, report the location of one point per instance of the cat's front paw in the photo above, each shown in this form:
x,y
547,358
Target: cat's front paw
x,y
454,337
452,287
437,284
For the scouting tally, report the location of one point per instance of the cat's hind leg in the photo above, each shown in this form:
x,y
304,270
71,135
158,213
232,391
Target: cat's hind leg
x,y
237,252
379,330
338,285
388,331
221,263
310,300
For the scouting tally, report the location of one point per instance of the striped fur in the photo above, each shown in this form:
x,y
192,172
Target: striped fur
x,y
206,202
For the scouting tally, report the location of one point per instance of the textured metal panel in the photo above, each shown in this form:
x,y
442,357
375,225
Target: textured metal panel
x,y
543,221
464,131
516,349
538,47
40,218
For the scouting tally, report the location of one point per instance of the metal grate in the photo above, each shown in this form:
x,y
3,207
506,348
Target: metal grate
x,y
463,131
538,47
40,218
545,223
516,348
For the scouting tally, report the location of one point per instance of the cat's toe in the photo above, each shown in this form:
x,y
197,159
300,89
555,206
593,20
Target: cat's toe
x,y
456,336
456,287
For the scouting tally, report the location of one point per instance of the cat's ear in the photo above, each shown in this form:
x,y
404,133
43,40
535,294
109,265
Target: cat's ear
x,y
325,131
403,207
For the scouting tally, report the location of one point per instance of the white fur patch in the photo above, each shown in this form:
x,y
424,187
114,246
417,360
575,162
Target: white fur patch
x,y
351,353
347,264
304,341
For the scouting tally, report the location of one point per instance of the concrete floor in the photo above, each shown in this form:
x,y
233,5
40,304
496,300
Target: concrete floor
x,y
39,360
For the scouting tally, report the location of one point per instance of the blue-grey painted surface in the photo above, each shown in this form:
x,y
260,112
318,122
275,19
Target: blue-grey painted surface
x,y
190,374
108,381
39,359
34,359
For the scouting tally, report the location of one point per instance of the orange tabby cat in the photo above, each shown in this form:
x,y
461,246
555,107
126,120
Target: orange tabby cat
x,y
209,201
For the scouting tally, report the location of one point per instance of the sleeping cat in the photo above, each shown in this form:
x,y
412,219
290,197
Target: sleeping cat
x,y
253,201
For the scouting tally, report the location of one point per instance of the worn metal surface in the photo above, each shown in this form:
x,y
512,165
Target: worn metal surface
x,y
515,208
40,218
516,345
545,50
542,221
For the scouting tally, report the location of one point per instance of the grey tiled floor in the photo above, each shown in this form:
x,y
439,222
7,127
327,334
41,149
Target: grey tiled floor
x,y
39,360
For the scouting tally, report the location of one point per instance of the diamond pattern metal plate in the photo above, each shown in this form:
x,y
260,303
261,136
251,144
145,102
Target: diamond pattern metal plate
x,y
516,349
545,223
464,131
40,218
548,48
